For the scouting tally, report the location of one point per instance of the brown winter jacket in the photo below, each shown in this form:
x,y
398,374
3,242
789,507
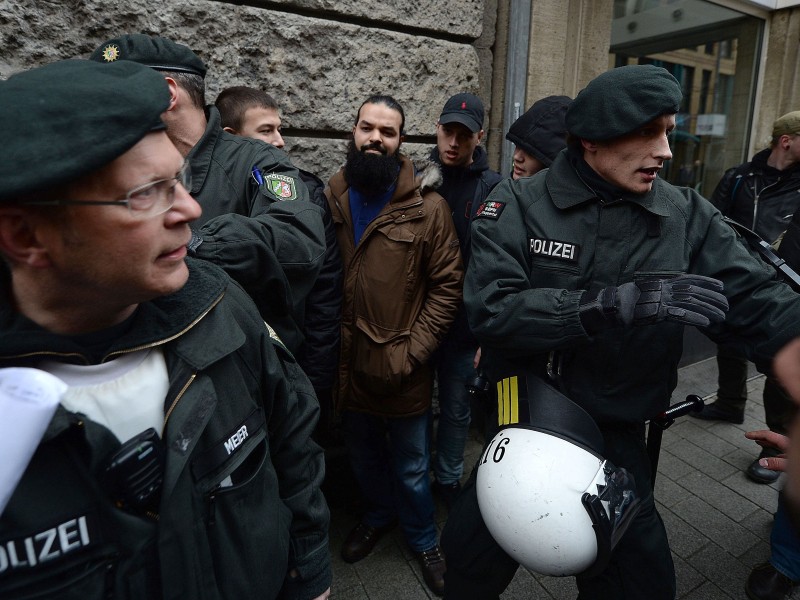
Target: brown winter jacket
x,y
402,288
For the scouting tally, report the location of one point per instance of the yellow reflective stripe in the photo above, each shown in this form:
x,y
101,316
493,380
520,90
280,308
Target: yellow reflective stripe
x,y
500,403
507,401
514,401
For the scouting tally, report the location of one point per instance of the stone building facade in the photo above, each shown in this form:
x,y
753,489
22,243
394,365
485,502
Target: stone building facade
x,y
322,58
319,58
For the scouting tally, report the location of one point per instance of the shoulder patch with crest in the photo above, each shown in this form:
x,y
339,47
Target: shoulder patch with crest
x,y
282,187
490,209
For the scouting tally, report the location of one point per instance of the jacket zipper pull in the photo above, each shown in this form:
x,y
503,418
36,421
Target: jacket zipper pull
x,y
212,506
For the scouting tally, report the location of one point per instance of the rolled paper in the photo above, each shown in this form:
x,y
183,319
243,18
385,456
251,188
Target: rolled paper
x,y
28,400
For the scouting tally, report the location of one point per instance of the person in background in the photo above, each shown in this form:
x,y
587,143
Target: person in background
x,y
777,578
466,182
179,463
539,134
762,195
402,288
257,223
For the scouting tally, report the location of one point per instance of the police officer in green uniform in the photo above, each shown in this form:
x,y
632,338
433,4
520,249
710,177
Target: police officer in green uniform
x,y
257,223
179,462
586,274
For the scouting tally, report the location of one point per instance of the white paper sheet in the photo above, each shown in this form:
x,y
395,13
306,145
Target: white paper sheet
x,y
28,399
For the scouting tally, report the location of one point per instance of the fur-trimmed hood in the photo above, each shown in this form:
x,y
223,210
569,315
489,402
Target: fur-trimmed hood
x,y
428,174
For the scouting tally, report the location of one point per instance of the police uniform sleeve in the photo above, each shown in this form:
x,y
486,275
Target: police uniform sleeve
x,y
275,256
764,311
503,308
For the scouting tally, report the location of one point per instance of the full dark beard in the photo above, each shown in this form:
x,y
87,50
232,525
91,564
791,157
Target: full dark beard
x,y
370,174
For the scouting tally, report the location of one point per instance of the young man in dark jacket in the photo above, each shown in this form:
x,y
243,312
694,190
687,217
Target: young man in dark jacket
x,y
466,181
257,223
586,275
171,372
762,195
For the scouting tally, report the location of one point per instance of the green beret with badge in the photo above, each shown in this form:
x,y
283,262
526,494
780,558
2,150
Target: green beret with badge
x,y
155,52
71,117
621,100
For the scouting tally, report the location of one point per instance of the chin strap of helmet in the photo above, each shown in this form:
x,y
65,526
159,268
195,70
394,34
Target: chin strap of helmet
x,y
611,510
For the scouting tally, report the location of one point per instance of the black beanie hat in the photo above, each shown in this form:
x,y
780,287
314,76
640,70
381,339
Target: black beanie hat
x,y
622,100
69,118
540,131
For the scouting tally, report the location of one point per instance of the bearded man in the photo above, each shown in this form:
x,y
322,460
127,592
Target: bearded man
x,y
402,288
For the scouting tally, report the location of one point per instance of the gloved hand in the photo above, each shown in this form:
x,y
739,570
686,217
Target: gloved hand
x,y
688,299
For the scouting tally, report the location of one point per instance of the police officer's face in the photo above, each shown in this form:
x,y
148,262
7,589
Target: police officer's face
x,y
456,144
378,129
525,165
107,258
632,162
262,124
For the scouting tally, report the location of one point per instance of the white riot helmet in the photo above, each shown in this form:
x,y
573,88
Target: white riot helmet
x,y
545,493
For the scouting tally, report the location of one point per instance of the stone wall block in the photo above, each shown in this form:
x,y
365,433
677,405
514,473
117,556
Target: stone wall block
x,y
318,70
463,18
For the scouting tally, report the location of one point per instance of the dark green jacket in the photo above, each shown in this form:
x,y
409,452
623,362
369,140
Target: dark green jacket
x,y
552,240
209,542
268,237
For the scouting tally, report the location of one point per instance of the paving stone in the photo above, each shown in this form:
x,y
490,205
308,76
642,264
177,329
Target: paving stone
x,y
524,586
721,569
716,526
721,497
684,540
765,496
707,591
668,492
759,523
732,434
702,460
704,438
687,578
559,588
672,466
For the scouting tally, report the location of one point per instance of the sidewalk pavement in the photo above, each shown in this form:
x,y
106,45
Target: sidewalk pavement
x,y
718,520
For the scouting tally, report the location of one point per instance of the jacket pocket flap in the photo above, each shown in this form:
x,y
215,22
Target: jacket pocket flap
x,y
378,334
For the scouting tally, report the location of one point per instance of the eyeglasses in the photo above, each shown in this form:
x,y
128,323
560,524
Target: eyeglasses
x,y
145,201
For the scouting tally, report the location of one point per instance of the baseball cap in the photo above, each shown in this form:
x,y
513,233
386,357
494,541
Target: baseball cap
x,y
464,108
788,124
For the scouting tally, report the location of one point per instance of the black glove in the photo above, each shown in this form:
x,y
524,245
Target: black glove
x,y
688,299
